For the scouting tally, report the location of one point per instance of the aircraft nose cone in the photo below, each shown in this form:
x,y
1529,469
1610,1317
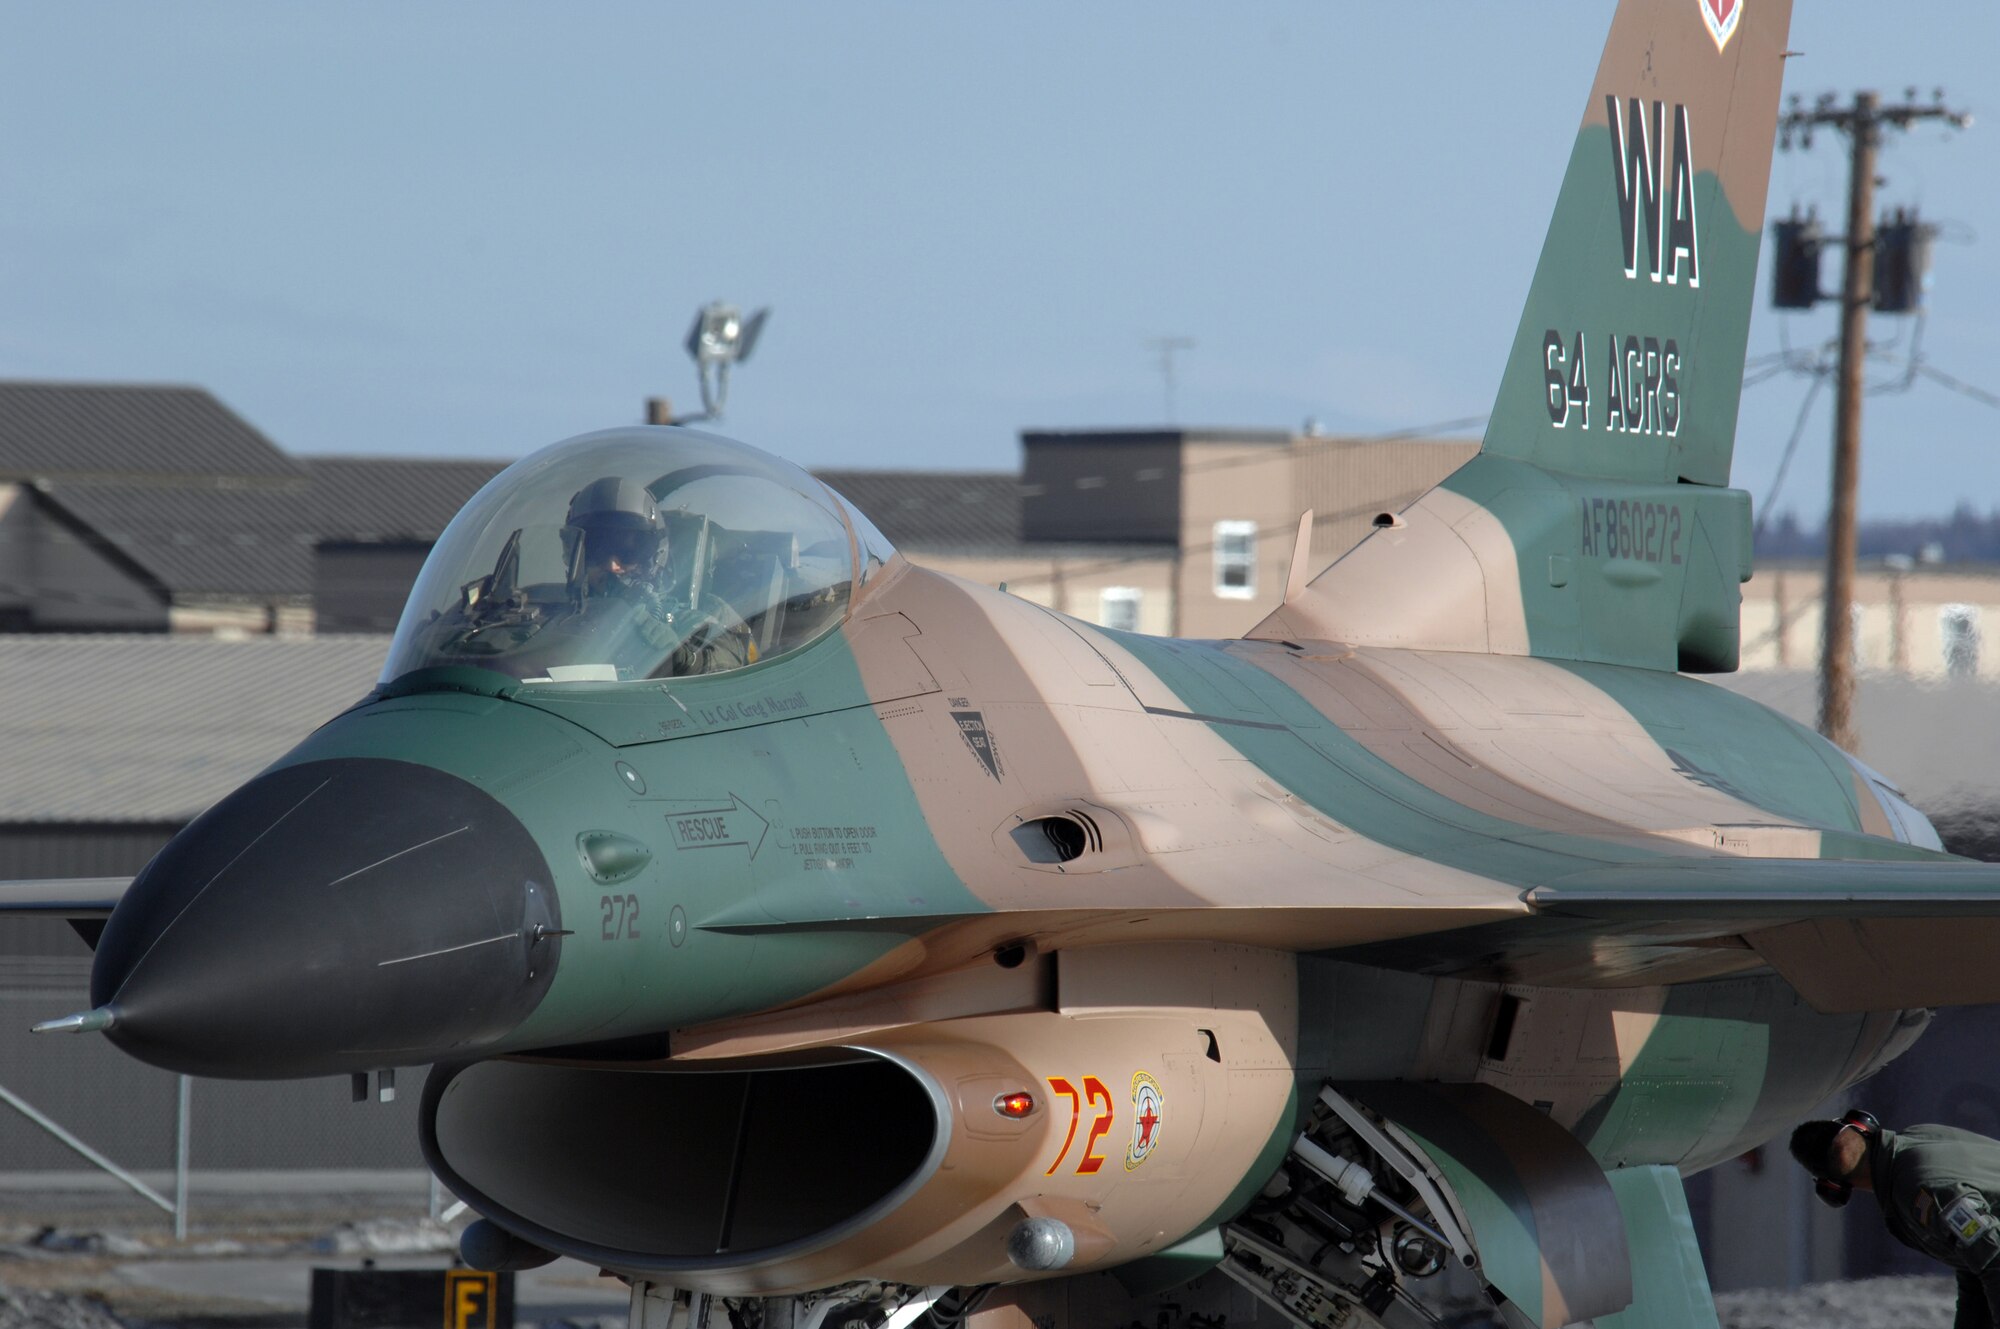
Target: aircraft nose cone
x,y
334,916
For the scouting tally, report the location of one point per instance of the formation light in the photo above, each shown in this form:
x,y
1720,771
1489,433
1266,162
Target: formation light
x,y
1016,1105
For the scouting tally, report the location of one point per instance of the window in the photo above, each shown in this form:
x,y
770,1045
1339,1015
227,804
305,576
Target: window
x,y
1959,625
1118,608
1236,559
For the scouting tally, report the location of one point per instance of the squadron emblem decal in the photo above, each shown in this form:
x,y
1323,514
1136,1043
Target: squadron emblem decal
x,y
1149,1114
1721,17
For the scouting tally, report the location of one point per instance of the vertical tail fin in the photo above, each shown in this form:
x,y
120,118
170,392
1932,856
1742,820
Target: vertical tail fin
x,y
1629,358
1596,522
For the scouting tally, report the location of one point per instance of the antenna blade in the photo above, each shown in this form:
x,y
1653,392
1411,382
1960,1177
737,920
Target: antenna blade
x,y
1301,569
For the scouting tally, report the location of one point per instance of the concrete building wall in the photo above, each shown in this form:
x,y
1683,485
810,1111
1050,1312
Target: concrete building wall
x,y
1900,620
1232,490
1346,481
1267,484
1074,582
238,619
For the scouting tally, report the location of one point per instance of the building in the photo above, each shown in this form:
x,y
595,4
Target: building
x,y
1182,532
132,507
1179,532
970,525
374,520
155,511
114,742
155,508
142,508
1927,621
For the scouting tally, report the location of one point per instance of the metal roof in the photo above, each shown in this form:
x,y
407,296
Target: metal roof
x,y
204,536
394,498
1174,436
130,431
201,540
937,509
156,728
391,498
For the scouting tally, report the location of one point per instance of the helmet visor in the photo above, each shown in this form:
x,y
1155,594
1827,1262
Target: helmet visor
x,y
629,549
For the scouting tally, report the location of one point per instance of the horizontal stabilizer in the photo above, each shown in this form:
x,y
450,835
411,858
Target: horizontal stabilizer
x,y
63,897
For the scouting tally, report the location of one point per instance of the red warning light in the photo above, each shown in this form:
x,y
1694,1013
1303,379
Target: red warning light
x,y
1015,1105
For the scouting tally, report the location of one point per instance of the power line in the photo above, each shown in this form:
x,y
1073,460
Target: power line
x,y
1167,553
1958,385
1785,461
1863,123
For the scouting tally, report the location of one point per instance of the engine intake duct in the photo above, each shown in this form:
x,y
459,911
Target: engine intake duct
x,y
682,1171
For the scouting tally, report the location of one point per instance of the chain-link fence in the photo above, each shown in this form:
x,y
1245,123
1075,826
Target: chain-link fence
x,y
256,1152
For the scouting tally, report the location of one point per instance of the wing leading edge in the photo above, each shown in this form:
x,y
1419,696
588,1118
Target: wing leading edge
x,y
1850,935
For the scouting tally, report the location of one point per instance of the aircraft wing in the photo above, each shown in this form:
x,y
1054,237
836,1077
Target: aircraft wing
x,y
63,897
1850,935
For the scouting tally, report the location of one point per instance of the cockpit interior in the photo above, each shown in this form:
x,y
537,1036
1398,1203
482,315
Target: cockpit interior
x,y
636,554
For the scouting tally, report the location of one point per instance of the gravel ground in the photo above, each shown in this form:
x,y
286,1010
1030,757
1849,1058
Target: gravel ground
x,y
67,1279
53,1310
1870,1303
254,1277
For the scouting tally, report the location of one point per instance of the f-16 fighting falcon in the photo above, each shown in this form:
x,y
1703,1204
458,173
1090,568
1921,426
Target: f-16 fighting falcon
x,y
812,938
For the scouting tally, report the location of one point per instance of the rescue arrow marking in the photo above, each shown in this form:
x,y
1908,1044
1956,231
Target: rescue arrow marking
x,y
700,824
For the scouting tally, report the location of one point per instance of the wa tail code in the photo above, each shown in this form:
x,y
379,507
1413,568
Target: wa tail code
x,y
1639,163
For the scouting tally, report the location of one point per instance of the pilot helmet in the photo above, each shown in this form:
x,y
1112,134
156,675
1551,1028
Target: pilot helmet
x,y
614,519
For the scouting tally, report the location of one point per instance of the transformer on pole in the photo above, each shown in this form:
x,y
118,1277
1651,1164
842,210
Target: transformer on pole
x,y
1887,270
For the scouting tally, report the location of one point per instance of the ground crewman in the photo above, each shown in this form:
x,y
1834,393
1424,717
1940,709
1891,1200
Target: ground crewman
x,y
1935,1185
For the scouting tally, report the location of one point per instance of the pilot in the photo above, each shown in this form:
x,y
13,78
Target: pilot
x,y
615,542
615,539
1934,1184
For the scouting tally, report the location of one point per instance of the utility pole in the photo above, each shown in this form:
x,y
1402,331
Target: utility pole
x,y
1836,676
1862,123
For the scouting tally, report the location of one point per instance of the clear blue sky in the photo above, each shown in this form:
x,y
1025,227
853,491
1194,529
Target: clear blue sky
x,y
457,229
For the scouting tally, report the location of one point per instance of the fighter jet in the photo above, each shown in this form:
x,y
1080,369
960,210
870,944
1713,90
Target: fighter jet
x,y
810,937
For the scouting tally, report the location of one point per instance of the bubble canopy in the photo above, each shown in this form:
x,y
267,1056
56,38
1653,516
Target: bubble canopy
x,y
633,554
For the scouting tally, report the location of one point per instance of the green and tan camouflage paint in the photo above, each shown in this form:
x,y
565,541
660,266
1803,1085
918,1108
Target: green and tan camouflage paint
x,y
1390,807
1596,522
1413,799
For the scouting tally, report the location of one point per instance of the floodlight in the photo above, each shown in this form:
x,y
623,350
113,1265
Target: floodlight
x,y
720,337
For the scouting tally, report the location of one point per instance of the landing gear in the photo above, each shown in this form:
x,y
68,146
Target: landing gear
x,y
657,1306
1358,1231
858,1306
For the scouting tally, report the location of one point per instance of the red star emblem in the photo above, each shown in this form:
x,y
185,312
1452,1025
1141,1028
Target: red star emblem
x,y
1147,1120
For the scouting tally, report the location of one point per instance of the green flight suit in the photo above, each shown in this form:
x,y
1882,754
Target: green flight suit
x,y
686,641
1935,1185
